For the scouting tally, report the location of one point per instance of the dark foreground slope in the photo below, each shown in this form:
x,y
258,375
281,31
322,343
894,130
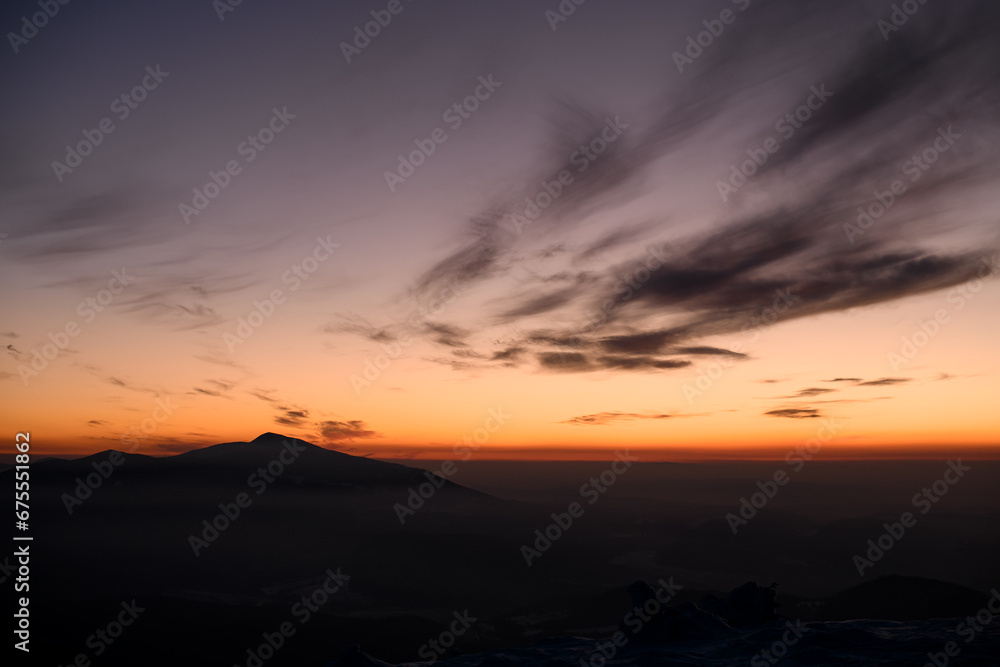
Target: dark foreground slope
x,y
216,550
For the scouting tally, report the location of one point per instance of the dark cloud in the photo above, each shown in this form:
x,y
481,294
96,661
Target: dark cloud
x,y
264,395
602,418
639,362
179,307
789,256
346,431
884,382
220,388
706,350
454,364
810,391
550,339
474,260
614,239
645,343
509,354
577,361
118,382
219,358
222,385
844,380
564,361
287,414
80,225
355,324
97,422
292,416
178,294
447,335
467,353
537,305
794,413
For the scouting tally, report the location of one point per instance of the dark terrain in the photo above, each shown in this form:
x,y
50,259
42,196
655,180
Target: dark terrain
x,y
132,539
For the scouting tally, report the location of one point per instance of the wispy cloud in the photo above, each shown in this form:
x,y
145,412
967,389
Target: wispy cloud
x,y
720,280
884,382
794,413
604,418
810,391
346,431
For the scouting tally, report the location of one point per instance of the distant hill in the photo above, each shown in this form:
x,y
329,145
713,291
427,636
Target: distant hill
x,y
301,463
899,598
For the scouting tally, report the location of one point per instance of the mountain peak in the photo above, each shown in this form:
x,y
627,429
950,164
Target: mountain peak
x,y
269,437
270,441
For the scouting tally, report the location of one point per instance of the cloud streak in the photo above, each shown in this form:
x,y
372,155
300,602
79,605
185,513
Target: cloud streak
x,y
604,418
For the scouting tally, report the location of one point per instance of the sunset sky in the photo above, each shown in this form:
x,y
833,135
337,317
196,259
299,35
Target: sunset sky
x,y
657,303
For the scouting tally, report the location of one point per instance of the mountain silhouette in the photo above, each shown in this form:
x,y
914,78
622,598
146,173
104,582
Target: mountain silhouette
x,y
300,463
900,598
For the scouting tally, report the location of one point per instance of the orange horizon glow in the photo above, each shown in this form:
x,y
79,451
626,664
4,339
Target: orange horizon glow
x,y
647,306
831,452
945,395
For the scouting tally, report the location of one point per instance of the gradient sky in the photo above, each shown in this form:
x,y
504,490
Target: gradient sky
x,y
479,309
